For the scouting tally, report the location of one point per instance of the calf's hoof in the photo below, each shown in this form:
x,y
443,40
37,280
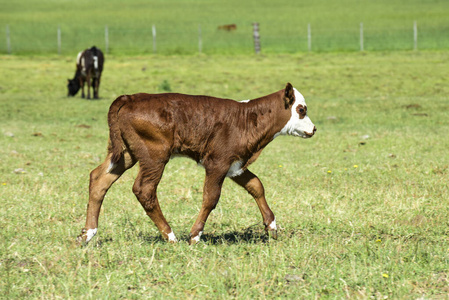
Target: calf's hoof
x,y
273,234
81,239
195,239
272,230
86,235
170,237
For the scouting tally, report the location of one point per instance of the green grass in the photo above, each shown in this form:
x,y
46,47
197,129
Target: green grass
x,y
388,25
359,216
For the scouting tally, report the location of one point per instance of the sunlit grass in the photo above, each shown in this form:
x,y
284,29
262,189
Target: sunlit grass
x,y
361,206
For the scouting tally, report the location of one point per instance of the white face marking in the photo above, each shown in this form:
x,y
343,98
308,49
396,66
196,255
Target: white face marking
x,y
273,225
297,126
90,234
197,238
172,237
235,169
245,101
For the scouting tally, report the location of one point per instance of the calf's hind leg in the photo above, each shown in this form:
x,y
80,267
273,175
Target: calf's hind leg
x,y
101,179
145,188
254,187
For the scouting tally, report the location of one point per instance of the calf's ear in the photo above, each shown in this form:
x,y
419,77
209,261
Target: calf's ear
x,y
289,95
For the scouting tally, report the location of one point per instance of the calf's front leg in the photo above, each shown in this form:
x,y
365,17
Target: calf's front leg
x,y
251,183
211,194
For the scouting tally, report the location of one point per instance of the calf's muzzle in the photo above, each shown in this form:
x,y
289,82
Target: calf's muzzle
x,y
312,133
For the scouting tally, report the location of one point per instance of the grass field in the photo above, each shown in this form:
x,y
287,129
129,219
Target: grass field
x,y
388,25
362,206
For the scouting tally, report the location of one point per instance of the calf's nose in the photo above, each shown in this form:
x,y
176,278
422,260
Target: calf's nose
x,y
310,134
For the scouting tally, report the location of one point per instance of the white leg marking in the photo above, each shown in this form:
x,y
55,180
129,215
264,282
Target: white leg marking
x,y
272,226
235,169
90,234
197,238
172,237
111,167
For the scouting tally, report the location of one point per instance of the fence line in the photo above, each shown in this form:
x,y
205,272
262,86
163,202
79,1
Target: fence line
x,y
361,36
106,39
415,36
257,38
59,40
153,30
200,40
309,38
8,40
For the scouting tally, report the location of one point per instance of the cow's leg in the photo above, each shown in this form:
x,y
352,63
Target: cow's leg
x,y
253,185
101,180
88,82
82,81
211,195
145,188
96,86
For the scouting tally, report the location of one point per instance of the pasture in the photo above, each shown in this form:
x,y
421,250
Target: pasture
x,y
388,25
362,206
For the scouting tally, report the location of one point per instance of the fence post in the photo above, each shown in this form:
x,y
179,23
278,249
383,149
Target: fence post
x,y
154,38
309,38
361,36
106,38
59,40
415,36
200,40
256,37
8,40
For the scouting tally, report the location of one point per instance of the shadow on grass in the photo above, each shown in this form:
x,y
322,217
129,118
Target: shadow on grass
x,y
248,235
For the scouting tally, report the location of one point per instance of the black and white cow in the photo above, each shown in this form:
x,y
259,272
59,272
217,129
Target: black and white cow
x,y
89,65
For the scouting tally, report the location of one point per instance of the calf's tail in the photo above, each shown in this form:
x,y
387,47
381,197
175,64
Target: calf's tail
x,y
116,143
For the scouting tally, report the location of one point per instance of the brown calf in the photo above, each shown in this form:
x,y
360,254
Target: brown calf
x,y
228,27
222,135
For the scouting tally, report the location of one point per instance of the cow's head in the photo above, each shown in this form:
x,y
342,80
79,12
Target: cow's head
x,y
299,123
73,87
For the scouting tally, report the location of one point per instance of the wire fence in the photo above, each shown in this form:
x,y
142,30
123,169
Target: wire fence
x,y
65,39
